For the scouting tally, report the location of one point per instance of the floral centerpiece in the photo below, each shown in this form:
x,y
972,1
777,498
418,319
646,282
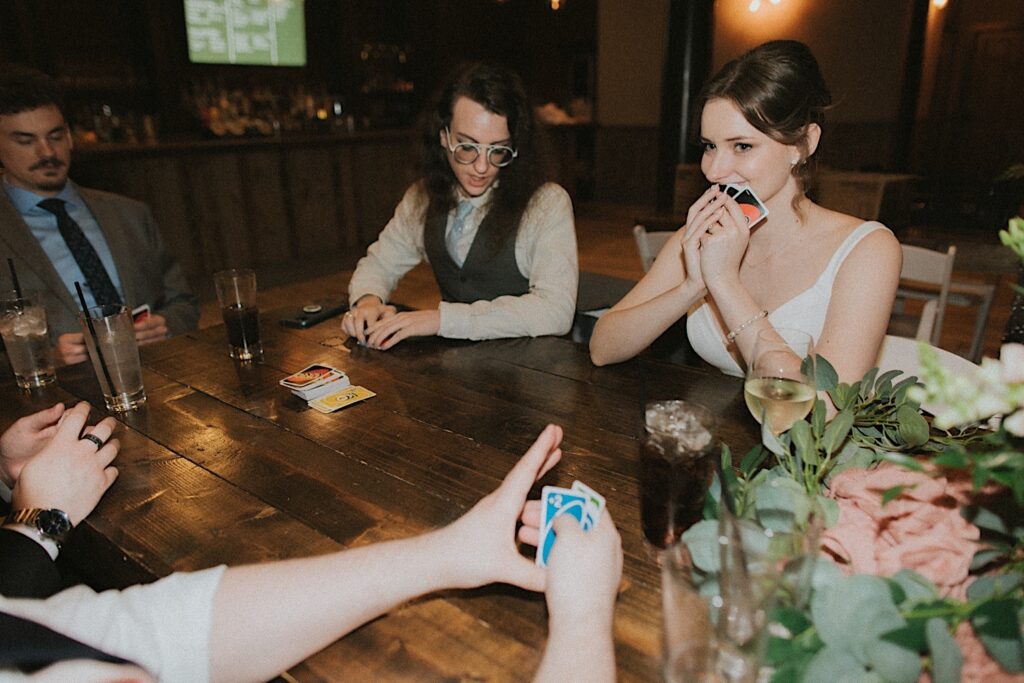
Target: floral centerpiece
x,y
922,526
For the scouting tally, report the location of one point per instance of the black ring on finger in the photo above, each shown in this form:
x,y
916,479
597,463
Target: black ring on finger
x,y
94,439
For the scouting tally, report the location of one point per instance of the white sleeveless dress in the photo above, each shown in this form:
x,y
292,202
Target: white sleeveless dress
x,y
805,311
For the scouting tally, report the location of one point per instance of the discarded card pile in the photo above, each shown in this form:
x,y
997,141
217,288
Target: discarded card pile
x,y
581,501
325,388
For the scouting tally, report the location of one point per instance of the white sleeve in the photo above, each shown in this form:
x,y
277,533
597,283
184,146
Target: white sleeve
x,y
163,627
398,249
546,254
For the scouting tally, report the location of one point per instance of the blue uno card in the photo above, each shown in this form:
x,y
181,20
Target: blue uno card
x,y
556,501
594,506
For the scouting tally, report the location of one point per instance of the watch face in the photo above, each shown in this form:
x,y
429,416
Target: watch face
x,y
53,523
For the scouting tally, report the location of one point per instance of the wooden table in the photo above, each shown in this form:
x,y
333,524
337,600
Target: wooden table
x,y
222,465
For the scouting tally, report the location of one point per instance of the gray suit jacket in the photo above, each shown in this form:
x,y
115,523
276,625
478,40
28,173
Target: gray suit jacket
x,y
148,273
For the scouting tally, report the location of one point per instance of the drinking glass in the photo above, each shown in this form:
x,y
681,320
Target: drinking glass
x,y
115,355
236,292
779,388
23,328
676,466
689,647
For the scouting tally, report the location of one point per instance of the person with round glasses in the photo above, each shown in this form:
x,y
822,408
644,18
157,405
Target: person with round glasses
x,y
500,240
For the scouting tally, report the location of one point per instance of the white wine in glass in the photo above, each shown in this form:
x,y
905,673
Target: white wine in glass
x,y
779,389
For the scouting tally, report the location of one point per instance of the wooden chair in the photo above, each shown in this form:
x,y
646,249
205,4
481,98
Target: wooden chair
x,y
649,243
926,274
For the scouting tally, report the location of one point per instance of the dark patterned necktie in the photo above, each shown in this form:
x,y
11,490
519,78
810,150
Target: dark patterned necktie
x,y
96,276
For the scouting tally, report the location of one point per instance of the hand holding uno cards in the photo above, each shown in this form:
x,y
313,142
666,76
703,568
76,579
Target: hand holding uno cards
x,y
581,502
753,208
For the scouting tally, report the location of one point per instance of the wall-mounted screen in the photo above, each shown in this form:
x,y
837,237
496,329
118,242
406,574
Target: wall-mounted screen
x,y
265,32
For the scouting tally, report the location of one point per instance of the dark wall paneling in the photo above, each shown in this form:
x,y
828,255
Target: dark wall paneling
x,y
310,174
264,196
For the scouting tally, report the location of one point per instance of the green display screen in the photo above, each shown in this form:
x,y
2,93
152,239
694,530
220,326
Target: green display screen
x,y
265,32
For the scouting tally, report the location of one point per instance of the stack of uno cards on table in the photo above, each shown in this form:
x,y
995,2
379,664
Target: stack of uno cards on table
x,y
581,501
324,388
752,207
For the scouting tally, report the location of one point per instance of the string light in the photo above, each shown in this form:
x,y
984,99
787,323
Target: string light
x,y
756,4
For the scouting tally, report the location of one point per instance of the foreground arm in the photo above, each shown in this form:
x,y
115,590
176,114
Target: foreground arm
x,y
267,617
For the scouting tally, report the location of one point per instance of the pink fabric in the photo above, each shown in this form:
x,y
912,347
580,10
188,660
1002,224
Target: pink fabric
x,y
921,529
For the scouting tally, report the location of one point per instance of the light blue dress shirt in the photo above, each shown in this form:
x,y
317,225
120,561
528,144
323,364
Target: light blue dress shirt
x,y
43,225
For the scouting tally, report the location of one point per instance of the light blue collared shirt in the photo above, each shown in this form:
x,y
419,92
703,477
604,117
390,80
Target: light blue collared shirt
x,y
43,225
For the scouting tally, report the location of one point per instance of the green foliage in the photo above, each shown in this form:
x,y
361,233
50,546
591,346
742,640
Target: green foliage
x,y
861,627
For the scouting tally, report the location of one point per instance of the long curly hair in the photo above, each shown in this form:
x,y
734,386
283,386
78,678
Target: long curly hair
x,y
501,91
779,89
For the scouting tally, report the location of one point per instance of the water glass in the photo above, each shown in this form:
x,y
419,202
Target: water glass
x,y
115,355
677,462
24,331
689,648
779,388
236,292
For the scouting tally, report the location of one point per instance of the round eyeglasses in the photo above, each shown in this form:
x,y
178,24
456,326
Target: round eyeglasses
x,y
466,153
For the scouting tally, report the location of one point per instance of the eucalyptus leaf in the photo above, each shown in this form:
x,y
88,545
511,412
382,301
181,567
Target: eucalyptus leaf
x,y
852,456
913,427
903,461
854,612
701,540
946,657
894,663
802,438
829,510
984,518
867,383
837,431
834,663
916,587
998,628
782,505
818,414
953,458
982,558
754,458
985,587
894,492
825,376
771,442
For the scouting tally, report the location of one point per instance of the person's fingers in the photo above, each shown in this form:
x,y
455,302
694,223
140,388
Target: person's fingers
x,y
529,535
109,477
521,478
44,418
74,421
531,513
526,574
106,455
566,525
102,429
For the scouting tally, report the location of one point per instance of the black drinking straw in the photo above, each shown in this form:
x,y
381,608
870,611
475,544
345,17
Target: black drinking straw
x,y
14,276
95,339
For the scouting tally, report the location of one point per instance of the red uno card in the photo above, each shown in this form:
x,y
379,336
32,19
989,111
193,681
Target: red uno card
x,y
140,313
317,373
752,207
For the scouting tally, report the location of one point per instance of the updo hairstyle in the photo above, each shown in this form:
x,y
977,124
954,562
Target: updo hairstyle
x,y
779,89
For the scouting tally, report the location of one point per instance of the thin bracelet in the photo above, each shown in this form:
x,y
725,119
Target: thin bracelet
x,y
732,335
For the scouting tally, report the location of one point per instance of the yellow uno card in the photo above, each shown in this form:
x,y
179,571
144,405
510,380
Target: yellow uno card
x,y
341,399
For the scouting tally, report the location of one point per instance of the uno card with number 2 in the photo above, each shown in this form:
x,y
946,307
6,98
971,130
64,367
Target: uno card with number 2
x,y
555,502
594,504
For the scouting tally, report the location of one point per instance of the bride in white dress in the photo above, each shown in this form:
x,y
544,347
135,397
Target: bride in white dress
x,y
805,267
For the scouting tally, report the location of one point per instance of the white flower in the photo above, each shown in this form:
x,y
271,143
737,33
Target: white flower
x,y
1011,357
1015,423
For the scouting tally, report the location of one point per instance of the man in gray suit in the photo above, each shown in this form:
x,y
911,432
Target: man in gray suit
x,y
59,233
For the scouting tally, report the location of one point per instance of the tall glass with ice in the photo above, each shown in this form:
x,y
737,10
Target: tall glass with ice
x,y
119,372
676,465
24,331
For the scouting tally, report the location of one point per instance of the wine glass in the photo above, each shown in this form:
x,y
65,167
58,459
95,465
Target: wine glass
x,y
780,378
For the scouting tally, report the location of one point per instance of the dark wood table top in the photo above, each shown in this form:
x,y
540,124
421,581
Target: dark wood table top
x,y
222,465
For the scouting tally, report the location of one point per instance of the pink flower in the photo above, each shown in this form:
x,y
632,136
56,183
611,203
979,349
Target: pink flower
x,y
921,529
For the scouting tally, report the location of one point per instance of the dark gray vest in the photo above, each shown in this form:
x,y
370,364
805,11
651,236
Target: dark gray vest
x,y
487,273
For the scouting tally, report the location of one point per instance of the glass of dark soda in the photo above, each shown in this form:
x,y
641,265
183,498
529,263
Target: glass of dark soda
x,y
236,292
677,454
